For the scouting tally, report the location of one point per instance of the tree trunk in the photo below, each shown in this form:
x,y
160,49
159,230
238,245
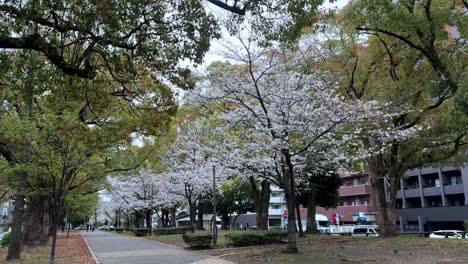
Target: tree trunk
x,y
289,189
14,250
173,217
192,214
224,221
34,222
311,208
137,219
149,221
386,208
299,220
262,201
200,218
54,243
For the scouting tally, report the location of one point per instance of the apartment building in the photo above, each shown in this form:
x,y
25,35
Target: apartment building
x,y
357,200
277,207
432,199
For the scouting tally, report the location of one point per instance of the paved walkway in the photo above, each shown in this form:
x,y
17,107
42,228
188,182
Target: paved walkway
x,y
112,248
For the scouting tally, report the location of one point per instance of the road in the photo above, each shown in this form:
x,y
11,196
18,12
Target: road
x,y
112,248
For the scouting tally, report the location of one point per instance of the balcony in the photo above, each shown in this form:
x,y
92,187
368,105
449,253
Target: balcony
x,y
355,190
412,193
447,213
431,191
275,211
277,200
453,189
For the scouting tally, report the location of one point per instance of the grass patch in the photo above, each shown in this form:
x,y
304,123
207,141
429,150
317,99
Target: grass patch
x,y
328,249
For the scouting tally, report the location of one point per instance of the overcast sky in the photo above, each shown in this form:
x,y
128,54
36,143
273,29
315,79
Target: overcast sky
x,y
212,55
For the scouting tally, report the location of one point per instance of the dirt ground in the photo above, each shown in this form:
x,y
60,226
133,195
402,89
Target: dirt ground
x,y
69,251
325,249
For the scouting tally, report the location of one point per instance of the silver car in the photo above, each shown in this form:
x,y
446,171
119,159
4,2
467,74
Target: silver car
x,y
455,234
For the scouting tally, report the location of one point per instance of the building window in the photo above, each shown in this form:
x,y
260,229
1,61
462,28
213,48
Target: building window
x,y
454,180
363,180
275,206
274,222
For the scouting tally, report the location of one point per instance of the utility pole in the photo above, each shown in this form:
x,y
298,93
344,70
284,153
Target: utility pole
x,y
213,225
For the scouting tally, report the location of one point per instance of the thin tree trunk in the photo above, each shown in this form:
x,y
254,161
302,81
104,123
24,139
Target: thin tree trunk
x,y
200,218
173,217
299,220
54,243
192,214
289,188
311,208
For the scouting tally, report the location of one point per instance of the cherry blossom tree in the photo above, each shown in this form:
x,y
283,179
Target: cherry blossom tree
x,y
284,114
191,163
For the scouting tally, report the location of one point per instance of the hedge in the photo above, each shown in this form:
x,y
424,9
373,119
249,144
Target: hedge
x,y
119,229
255,237
140,231
198,240
171,230
5,240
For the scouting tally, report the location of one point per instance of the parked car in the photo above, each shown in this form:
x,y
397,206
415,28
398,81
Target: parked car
x,y
456,234
81,227
365,231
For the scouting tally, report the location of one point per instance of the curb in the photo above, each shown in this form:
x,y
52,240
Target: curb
x,y
95,258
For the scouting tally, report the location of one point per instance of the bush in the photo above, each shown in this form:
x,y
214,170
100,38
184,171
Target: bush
x,y
466,225
5,240
171,230
119,229
198,240
140,231
255,237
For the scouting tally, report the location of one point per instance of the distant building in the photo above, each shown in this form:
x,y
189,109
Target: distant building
x,y
207,221
357,200
433,199
6,212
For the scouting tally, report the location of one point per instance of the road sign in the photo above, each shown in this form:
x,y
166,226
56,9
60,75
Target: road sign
x,y
285,222
341,214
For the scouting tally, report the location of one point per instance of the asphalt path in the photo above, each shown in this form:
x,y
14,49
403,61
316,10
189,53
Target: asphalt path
x,y
111,248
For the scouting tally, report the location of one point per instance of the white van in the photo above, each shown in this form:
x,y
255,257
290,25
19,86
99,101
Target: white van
x,y
370,231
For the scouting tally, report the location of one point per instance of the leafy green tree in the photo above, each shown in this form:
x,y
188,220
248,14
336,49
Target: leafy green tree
x,y
321,189
58,135
401,53
235,198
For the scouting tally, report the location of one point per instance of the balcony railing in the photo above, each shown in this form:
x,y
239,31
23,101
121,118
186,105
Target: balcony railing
x,y
453,189
411,193
431,191
355,190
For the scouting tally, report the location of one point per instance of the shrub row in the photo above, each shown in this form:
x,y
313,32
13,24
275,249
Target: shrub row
x,y
5,241
140,231
198,240
171,230
255,237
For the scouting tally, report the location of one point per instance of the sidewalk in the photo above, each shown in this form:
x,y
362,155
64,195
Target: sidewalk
x,y
112,248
